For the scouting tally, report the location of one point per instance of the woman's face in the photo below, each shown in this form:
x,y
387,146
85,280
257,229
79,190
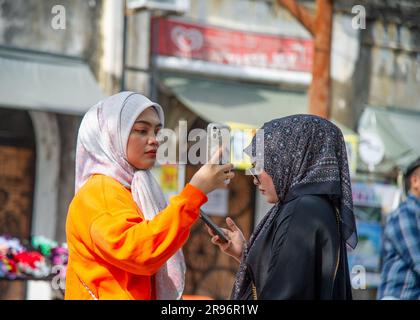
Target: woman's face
x,y
266,186
142,144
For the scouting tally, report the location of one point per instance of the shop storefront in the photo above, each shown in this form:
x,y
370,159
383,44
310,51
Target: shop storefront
x,y
42,98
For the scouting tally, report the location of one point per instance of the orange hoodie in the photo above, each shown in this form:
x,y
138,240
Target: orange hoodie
x,y
113,251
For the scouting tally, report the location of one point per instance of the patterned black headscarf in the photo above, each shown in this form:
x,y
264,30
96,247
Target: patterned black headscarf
x,y
304,154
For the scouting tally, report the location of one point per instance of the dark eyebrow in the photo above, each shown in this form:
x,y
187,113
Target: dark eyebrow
x,y
148,123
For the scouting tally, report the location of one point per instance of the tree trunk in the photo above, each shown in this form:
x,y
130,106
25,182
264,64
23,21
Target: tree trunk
x,y
320,89
320,27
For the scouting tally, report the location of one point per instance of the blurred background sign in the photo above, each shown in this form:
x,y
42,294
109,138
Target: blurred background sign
x,y
217,203
176,6
231,47
372,203
182,45
241,136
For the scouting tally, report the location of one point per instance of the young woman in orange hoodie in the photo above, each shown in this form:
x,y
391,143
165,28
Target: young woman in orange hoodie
x,y
124,239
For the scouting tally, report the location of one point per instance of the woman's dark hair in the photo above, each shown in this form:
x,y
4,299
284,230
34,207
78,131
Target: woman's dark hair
x,y
409,172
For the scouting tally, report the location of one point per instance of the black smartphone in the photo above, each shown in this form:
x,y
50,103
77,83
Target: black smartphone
x,y
213,226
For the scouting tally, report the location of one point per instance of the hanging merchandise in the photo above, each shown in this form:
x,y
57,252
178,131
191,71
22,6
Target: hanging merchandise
x,y
43,245
21,260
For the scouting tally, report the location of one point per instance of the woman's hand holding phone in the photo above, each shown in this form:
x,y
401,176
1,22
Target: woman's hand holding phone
x,y
236,244
212,175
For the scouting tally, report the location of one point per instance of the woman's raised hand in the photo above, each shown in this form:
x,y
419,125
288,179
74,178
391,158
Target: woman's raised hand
x,y
236,244
211,175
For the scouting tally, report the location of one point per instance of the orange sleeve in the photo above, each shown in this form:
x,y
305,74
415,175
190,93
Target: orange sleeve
x,y
123,238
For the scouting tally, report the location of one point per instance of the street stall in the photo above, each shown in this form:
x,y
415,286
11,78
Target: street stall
x,y
42,96
38,259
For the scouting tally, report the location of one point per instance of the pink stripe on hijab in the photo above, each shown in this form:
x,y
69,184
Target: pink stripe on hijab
x,y
102,149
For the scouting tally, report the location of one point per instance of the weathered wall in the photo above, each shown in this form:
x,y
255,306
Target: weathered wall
x,y
349,65
27,24
69,125
378,66
395,67
264,16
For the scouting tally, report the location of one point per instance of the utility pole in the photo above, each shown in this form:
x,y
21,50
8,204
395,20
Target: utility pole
x,y
319,26
156,9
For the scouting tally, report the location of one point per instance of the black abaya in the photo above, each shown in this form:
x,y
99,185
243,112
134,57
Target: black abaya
x,y
297,256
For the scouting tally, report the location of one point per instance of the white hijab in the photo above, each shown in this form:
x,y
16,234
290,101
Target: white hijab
x,y
102,149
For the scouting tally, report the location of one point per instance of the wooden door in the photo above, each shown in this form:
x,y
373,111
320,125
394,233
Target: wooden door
x,y
211,273
17,160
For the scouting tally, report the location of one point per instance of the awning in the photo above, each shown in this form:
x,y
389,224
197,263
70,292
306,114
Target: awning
x,y
31,80
244,105
225,101
399,132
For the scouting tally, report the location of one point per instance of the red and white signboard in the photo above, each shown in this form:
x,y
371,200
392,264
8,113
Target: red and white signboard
x,y
230,47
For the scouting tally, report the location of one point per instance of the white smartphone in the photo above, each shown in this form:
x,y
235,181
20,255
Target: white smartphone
x,y
218,136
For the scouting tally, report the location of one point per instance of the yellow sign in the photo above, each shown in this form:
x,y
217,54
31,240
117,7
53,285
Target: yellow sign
x,y
352,142
169,178
240,137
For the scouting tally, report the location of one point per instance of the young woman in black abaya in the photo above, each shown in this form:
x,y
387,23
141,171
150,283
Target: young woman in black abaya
x,y
298,250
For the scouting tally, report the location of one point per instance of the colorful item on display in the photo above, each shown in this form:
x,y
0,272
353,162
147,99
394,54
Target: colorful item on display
x,y
43,244
31,261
